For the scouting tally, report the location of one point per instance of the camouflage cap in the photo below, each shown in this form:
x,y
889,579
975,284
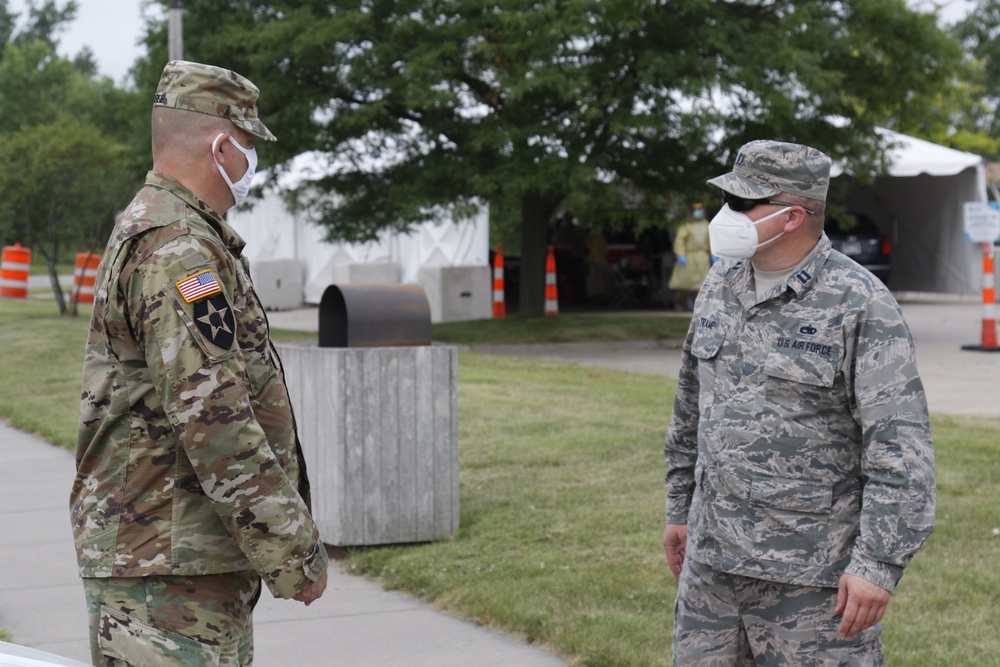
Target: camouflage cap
x,y
764,168
214,91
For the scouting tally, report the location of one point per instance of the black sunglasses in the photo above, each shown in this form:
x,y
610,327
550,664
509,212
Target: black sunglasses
x,y
742,205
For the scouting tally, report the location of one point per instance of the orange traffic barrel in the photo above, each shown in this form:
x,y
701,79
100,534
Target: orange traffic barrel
x,y
14,269
84,275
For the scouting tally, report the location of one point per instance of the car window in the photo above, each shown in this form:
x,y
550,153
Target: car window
x,y
857,224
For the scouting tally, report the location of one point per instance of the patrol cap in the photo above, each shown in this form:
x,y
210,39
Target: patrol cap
x,y
764,168
214,91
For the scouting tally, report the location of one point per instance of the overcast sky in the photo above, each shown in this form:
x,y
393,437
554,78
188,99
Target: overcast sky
x,y
111,29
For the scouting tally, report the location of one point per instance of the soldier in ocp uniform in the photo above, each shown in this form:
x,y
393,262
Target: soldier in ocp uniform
x,y
190,487
801,468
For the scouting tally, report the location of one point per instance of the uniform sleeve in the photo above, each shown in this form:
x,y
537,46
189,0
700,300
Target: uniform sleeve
x,y
681,447
897,458
197,368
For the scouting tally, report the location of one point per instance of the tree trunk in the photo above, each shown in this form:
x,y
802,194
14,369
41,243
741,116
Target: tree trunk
x,y
54,281
536,212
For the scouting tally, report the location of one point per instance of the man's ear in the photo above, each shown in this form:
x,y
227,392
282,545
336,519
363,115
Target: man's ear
x,y
797,217
221,140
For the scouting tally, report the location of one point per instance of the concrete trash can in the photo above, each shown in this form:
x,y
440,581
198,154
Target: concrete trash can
x,y
378,419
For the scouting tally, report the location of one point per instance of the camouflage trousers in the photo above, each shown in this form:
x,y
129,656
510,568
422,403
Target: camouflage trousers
x,y
724,619
172,621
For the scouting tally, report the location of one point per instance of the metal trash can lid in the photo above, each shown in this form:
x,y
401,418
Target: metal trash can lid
x,y
374,316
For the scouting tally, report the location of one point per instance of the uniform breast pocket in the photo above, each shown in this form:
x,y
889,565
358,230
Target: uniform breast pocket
x,y
791,520
803,379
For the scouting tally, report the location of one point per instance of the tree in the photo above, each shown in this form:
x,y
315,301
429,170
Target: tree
x,y
979,33
63,172
603,107
62,184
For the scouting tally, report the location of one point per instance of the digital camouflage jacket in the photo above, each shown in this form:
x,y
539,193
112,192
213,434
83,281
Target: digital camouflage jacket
x,y
188,461
800,445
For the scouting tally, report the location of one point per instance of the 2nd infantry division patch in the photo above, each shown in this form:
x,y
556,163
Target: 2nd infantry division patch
x,y
214,318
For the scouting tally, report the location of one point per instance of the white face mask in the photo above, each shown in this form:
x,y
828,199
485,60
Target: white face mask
x,y
240,188
734,235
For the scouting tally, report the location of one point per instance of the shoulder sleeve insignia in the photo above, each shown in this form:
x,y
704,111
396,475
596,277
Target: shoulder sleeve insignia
x,y
214,318
198,286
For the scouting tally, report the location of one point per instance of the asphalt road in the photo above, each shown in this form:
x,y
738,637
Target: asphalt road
x,y
957,381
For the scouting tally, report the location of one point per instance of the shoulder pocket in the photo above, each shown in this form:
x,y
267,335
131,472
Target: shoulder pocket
x,y
211,322
705,345
124,638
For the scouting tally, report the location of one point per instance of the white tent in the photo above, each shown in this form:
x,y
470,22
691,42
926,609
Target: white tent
x,y
449,257
919,206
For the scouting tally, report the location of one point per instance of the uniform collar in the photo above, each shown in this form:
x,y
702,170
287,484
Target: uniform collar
x,y
232,240
740,275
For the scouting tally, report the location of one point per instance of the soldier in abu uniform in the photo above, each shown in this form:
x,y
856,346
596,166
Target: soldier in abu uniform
x,y
801,467
190,487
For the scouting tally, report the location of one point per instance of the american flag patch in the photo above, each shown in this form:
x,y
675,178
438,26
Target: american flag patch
x,y
198,285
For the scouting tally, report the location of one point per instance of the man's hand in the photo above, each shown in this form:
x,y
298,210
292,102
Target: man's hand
x,y
675,539
862,603
313,592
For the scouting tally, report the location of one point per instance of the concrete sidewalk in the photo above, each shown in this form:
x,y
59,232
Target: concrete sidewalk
x,y
354,623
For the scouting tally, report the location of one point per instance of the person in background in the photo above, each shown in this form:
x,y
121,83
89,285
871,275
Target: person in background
x,y
190,486
801,467
693,259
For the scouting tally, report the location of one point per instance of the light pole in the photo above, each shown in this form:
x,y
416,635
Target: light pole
x,y
175,30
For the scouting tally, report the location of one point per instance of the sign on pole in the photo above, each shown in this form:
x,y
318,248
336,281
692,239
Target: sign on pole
x,y
982,225
982,222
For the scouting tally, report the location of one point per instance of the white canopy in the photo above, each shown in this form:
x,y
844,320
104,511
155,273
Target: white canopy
x,y
273,231
912,157
919,206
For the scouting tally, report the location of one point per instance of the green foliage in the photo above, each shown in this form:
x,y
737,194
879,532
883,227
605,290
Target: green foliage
x,y
63,183
977,117
44,19
65,168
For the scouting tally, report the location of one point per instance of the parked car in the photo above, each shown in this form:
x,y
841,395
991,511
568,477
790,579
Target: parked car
x,y
12,655
856,235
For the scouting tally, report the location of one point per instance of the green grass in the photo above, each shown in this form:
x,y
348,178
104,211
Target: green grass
x,y
566,328
561,494
63,267
40,365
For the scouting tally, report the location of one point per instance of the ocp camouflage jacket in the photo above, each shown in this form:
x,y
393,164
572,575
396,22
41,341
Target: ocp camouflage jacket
x,y
800,445
187,462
